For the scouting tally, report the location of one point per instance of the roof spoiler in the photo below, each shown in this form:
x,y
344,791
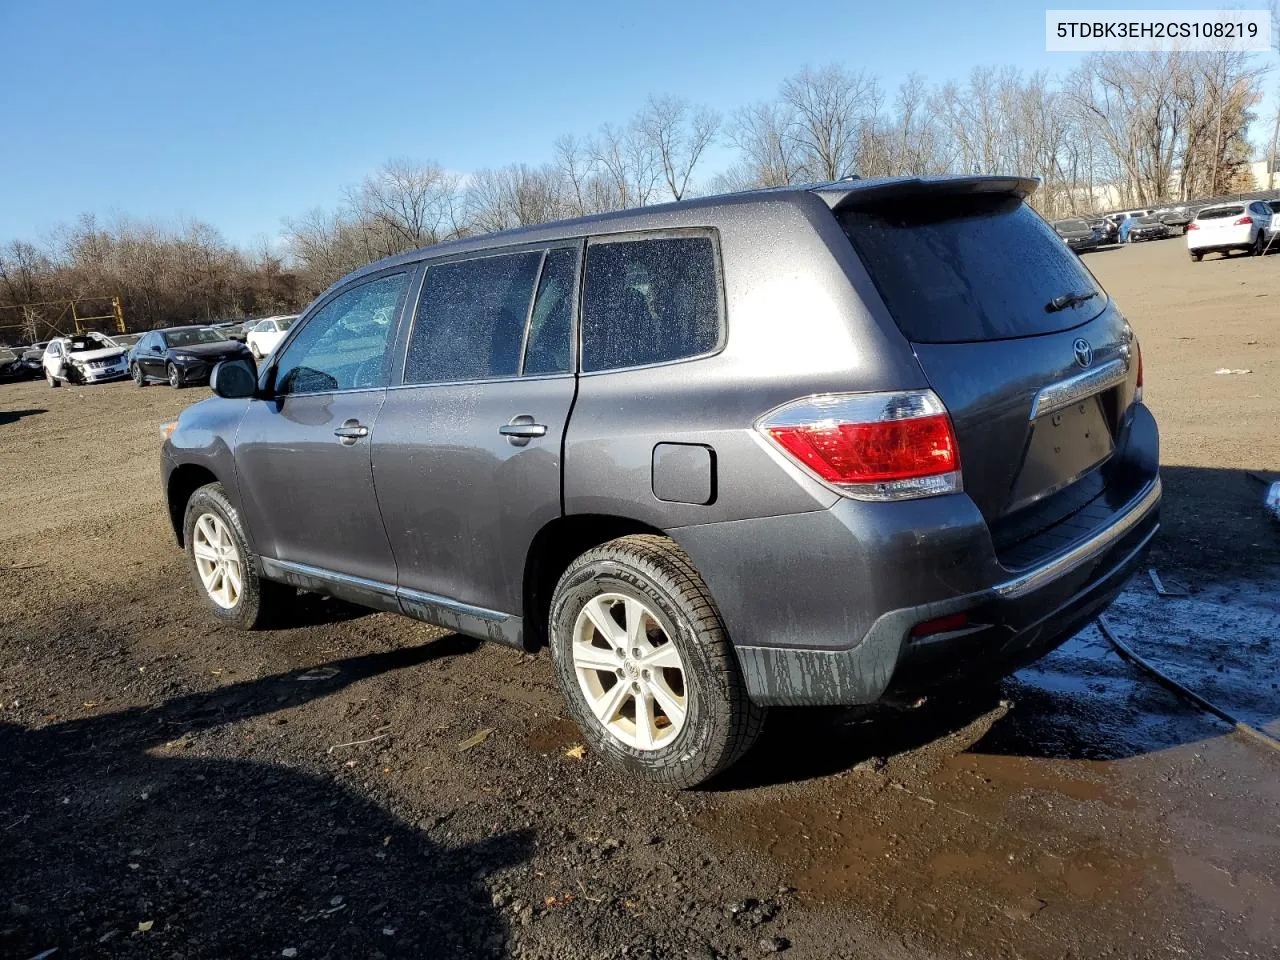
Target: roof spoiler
x,y
847,194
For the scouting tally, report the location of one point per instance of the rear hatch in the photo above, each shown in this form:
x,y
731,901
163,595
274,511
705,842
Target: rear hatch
x,y
1220,222
1013,333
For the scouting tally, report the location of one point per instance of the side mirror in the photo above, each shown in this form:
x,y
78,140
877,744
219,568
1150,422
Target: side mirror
x,y
233,380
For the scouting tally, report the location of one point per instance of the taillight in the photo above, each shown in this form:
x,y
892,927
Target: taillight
x,y
1137,390
1192,226
871,446
1243,222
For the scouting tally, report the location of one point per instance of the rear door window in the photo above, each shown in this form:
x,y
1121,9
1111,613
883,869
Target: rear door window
x,y
471,318
650,300
969,268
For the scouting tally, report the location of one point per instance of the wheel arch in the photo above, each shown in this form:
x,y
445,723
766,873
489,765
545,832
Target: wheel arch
x,y
554,547
185,480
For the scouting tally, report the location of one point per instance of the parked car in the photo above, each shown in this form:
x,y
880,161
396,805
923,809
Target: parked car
x,y
1176,218
182,356
14,367
263,336
1147,228
1106,228
35,351
811,446
125,341
83,358
1224,227
1077,233
1125,222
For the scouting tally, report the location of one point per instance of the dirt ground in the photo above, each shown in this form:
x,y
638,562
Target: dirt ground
x,y
173,789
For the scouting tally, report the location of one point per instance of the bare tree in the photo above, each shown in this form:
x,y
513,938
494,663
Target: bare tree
x,y
678,135
770,157
827,107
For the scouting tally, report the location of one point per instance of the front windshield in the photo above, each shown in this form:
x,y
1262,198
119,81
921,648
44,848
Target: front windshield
x,y
189,338
76,344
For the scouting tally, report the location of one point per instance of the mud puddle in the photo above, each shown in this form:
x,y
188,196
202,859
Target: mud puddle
x,y
1222,640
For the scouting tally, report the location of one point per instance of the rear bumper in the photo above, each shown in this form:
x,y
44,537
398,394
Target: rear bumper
x,y
821,606
1210,244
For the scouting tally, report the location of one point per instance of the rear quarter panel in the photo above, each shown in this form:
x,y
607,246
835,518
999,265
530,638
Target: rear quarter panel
x,y
796,325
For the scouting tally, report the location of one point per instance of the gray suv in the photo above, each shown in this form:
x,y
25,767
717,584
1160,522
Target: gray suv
x,y
819,445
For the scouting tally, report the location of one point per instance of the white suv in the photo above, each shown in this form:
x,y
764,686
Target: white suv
x,y
1229,226
263,336
83,358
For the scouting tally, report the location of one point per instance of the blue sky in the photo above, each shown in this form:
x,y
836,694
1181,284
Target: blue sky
x,y
241,113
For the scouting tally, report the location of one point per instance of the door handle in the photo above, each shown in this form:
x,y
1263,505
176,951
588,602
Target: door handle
x,y
522,429
351,431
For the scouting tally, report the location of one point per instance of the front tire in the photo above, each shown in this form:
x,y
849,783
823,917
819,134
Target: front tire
x,y
1196,257
223,569
51,379
175,377
645,664
257,354
139,378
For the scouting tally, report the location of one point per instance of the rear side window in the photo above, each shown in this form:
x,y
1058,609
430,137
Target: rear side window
x,y
970,268
649,301
548,349
470,319
1220,213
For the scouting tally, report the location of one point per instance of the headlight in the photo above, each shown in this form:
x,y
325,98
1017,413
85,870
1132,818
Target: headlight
x,y
183,356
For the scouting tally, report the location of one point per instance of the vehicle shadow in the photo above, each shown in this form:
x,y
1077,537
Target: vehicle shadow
x,y
117,837
13,416
1083,701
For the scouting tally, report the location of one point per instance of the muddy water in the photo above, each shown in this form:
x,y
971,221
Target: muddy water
x,y
1079,810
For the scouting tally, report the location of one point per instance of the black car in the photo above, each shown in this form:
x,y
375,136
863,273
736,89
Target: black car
x,y
1078,234
182,355
1176,219
14,367
1148,228
1106,229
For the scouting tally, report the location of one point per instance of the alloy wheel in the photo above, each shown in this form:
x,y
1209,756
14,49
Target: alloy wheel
x,y
218,560
630,671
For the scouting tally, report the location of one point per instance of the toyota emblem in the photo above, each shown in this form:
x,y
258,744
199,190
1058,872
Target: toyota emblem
x,y
1084,352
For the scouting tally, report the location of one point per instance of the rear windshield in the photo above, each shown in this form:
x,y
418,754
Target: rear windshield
x,y
968,268
1219,212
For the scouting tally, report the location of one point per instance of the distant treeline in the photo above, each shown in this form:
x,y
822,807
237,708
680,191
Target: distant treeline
x,y
1148,127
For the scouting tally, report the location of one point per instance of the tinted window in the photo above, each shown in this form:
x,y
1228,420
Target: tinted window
x,y
649,301
1075,225
970,268
344,344
551,323
1220,212
470,319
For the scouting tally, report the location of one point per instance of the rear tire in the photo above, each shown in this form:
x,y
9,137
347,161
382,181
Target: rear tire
x,y
715,722
1259,245
1197,257
255,602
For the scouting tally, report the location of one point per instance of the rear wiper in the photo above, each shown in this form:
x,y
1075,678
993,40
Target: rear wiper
x,y
1064,300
